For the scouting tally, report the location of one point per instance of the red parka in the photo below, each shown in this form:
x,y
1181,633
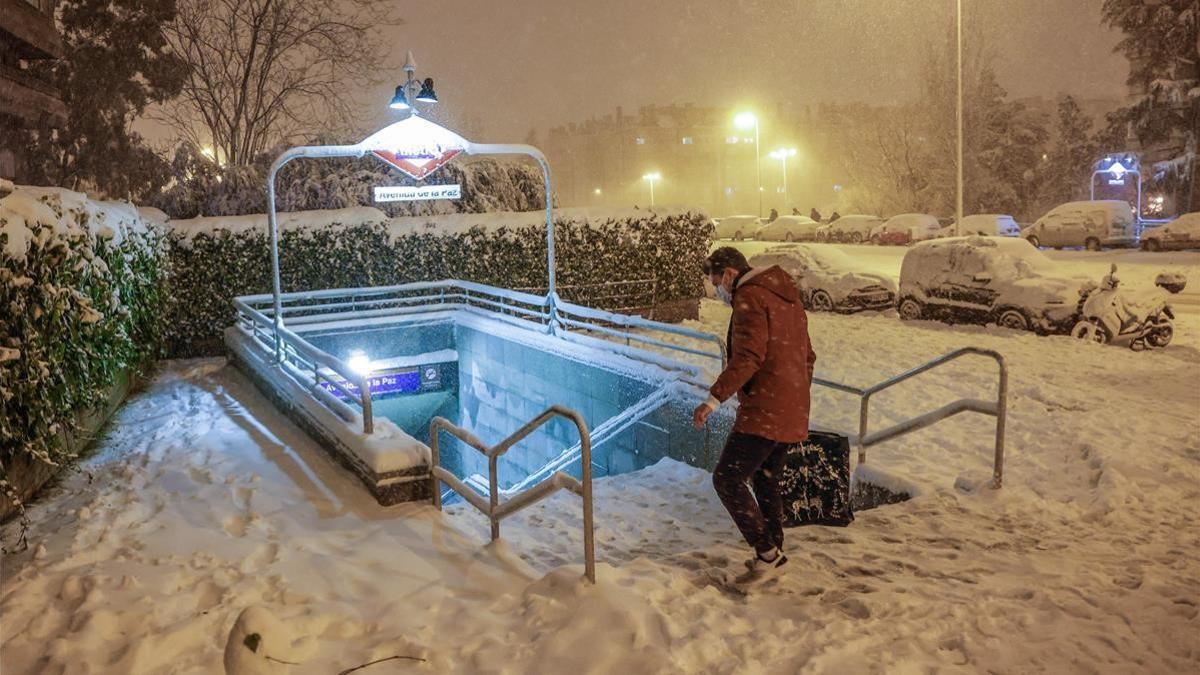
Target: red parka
x,y
770,357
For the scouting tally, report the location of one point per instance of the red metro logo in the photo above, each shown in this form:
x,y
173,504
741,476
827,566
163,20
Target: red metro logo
x,y
415,146
418,165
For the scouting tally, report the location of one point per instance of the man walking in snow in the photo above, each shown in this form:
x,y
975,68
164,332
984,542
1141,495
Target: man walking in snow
x,y
770,369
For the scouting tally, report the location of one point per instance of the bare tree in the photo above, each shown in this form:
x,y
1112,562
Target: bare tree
x,y
264,71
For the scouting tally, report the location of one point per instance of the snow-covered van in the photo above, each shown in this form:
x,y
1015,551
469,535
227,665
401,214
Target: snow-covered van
x,y
988,279
1107,222
1183,232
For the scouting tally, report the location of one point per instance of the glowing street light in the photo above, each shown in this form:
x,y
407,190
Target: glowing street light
x,y
412,89
651,177
744,121
782,155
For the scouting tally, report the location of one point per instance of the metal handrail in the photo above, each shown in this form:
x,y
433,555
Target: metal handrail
x,y
997,409
285,339
259,316
493,509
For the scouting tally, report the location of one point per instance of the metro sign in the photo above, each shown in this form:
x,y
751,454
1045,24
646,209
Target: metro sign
x,y
415,146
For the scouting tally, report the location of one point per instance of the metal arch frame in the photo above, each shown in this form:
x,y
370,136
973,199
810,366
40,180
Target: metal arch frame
x,y
1137,172
358,150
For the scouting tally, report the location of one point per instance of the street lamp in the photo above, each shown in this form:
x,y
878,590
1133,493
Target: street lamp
x,y
651,177
744,121
413,89
782,155
958,121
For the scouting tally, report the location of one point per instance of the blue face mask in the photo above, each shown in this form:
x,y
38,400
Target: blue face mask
x,y
725,296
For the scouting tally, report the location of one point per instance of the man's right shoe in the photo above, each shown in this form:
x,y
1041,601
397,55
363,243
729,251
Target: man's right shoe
x,y
759,570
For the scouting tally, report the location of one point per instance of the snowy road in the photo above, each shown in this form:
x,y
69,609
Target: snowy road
x,y
1134,267
204,500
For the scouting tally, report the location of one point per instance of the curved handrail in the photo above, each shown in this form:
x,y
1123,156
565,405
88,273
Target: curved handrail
x,y
494,510
998,409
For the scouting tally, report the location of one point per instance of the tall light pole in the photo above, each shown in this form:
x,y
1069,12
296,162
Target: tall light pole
x,y
745,121
958,115
782,155
650,178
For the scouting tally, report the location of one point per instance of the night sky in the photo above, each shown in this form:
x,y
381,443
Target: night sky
x,y
538,63
503,68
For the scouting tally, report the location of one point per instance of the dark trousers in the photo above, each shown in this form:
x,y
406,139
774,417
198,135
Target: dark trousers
x,y
759,515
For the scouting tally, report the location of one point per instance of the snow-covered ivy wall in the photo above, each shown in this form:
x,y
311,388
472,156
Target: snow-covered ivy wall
x,y
80,306
216,259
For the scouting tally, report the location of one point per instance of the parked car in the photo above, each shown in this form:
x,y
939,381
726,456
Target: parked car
x,y
984,224
853,229
1091,225
822,231
1183,232
789,228
828,279
737,227
989,279
905,228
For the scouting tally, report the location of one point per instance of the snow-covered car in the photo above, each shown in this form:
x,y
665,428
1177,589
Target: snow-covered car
x,y
1106,222
822,231
736,227
853,229
905,228
1183,232
983,224
788,228
989,279
828,279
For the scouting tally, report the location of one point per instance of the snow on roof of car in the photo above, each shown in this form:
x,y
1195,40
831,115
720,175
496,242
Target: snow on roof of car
x,y
824,256
905,217
1188,222
1011,247
795,220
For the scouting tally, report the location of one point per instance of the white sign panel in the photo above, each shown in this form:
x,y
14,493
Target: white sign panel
x,y
412,193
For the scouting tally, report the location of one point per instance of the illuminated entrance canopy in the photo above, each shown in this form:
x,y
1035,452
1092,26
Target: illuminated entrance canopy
x,y
415,146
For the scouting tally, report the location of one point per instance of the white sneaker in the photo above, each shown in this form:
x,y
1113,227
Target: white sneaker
x,y
759,570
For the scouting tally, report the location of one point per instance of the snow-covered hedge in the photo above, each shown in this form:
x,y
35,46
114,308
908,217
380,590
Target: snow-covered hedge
x,y
201,187
215,259
80,292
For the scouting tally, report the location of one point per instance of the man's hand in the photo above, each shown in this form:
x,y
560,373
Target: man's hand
x,y
700,415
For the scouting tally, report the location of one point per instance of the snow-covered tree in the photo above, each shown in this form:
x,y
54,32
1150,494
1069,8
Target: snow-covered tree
x,y
1002,141
1067,167
263,71
1162,42
116,63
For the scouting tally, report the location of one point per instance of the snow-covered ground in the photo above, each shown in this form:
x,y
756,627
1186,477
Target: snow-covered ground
x,y
204,500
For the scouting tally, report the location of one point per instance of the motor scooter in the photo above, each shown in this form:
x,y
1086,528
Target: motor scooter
x,y
1108,314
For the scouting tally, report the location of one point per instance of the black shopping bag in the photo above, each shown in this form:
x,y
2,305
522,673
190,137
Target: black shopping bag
x,y
816,481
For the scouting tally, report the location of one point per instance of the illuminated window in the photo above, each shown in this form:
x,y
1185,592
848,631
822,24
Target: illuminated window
x,y
732,139
640,140
687,140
